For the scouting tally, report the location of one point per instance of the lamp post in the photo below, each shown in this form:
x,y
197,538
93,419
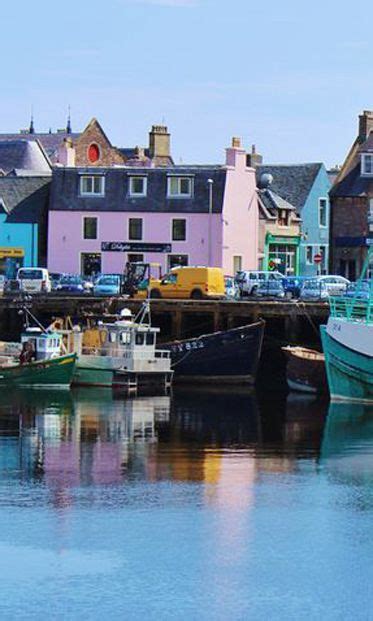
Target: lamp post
x,y
210,183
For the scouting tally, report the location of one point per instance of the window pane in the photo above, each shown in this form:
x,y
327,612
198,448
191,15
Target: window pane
x,y
322,212
86,185
135,258
137,185
178,230
97,185
177,260
90,228
135,228
174,185
309,254
184,186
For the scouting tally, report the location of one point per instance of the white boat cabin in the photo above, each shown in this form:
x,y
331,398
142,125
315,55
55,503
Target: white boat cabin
x,y
45,345
131,344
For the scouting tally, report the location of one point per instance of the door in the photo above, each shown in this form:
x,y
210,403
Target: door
x,y
90,264
237,264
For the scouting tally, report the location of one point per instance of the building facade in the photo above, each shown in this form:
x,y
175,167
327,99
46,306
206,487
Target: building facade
x,y
25,176
279,231
306,188
352,203
104,213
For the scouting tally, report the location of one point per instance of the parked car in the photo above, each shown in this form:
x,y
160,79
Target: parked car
x,y
108,284
272,288
361,290
322,287
250,280
292,285
34,279
232,290
190,282
71,283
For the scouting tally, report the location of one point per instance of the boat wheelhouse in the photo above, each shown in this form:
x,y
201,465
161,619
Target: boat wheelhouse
x,y
121,354
39,361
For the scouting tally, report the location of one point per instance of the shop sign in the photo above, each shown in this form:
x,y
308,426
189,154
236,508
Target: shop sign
x,y
135,247
11,252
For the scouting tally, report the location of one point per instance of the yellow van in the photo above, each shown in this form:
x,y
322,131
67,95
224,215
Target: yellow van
x,y
190,282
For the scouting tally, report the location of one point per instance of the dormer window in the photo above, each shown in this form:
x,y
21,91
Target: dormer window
x,y
138,186
367,164
92,185
180,187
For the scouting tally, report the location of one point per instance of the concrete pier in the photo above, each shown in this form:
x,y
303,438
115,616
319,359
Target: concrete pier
x,y
288,321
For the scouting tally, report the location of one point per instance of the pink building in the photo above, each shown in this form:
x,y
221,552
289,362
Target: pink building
x,y
105,213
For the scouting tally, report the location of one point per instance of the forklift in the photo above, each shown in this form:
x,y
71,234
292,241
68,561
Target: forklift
x,y
138,278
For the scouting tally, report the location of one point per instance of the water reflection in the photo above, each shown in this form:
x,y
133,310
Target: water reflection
x,y
89,437
347,446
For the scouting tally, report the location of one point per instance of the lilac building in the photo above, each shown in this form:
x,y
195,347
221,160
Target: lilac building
x,y
105,213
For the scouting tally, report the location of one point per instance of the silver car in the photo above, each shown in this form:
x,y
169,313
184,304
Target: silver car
x,y
322,287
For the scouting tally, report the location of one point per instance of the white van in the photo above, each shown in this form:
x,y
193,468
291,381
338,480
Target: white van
x,y
250,282
34,280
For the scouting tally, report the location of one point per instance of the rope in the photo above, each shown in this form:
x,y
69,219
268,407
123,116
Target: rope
x,y
302,306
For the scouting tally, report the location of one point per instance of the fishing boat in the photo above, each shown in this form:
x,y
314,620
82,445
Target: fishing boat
x,y
121,354
230,357
348,345
305,370
36,362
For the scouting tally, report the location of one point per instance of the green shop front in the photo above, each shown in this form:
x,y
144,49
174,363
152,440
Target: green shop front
x,y
281,253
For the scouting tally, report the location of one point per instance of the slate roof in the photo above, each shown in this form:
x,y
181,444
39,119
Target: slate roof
x,y
65,190
50,142
24,199
293,182
274,202
353,184
19,154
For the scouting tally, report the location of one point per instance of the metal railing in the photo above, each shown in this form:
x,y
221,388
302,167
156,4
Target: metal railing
x,y
352,309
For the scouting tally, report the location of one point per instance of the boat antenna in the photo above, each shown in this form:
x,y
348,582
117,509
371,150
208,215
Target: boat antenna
x,y
143,313
29,314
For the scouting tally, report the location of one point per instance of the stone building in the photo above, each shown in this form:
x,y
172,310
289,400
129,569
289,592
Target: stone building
x,y
351,200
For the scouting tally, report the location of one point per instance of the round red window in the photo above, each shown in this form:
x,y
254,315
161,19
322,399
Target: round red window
x,y
93,153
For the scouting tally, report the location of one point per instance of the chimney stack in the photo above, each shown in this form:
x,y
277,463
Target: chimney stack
x,y
253,159
236,155
66,153
159,141
365,125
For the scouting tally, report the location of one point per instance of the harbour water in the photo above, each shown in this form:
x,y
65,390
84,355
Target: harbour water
x,y
201,505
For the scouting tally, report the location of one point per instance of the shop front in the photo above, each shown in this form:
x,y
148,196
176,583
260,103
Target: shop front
x,y
282,254
11,259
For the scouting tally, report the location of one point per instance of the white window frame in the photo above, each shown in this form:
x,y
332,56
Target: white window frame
x,y
142,229
324,264
178,241
92,194
323,226
138,194
236,256
97,227
364,157
312,246
180,178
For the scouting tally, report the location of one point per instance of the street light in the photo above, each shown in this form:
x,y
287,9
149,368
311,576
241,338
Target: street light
x,y
210,183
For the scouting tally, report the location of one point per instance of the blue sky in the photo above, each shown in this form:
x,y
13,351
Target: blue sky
x,y
289,76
